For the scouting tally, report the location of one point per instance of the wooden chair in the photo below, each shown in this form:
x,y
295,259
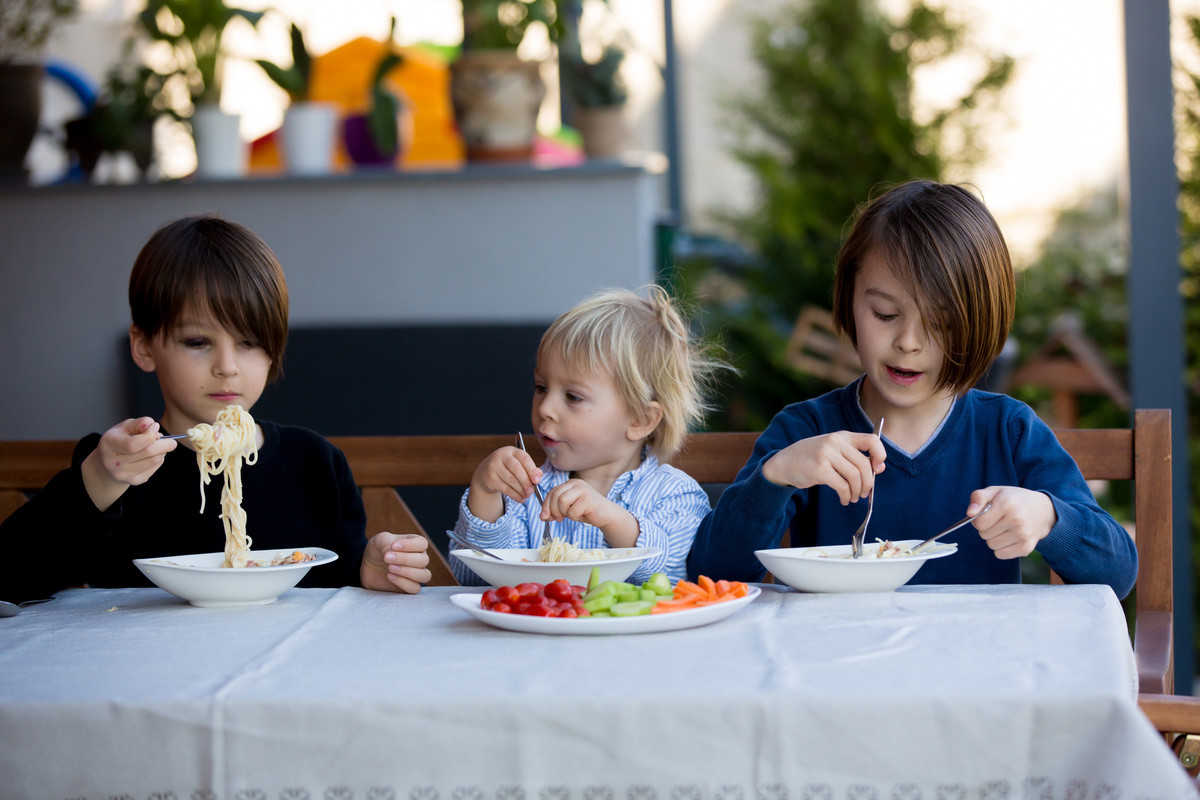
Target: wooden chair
x,y
1141,454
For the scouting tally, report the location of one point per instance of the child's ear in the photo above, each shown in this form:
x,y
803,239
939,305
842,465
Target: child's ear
x,y
645,425
139,347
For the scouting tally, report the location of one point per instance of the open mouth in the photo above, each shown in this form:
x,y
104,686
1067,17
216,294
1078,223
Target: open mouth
x,y
904,376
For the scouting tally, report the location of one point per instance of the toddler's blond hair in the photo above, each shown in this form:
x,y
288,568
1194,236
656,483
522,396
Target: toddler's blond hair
x,y
646,347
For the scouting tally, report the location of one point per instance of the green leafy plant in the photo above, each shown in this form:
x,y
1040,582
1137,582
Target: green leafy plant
x,y
502,24
296,79
383,115
195,29
26,25
594,84
122,118
593,80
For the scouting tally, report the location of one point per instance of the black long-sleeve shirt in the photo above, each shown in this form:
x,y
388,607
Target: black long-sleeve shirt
x,y
300,493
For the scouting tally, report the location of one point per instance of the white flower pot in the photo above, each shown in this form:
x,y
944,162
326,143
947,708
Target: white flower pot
x,y
309,135
220,151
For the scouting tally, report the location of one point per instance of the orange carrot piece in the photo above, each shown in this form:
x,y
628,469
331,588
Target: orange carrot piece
x,y
707,584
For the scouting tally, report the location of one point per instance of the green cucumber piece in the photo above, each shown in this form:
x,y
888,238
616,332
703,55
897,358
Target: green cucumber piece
x,y
632,608
601,603
659,583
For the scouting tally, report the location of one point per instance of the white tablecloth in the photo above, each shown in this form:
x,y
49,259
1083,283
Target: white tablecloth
x,y
929,693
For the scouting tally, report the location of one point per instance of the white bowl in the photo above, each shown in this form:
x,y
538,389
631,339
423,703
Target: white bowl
x,y
830,569
519,566
202,581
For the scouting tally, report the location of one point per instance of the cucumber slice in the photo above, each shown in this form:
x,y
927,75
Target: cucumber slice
x,y
632,608
601,603
659,583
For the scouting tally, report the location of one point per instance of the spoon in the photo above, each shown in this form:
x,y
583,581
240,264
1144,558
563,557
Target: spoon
x,y
8,609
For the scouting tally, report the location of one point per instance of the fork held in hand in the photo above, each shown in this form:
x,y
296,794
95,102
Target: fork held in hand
x,y
856,543
537,491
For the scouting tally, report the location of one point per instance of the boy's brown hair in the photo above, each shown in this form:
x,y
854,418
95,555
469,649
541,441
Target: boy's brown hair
x,y
941,242
205,263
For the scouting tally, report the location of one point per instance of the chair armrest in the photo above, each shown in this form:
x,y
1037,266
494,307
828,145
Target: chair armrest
x,y
1172,713
1152,644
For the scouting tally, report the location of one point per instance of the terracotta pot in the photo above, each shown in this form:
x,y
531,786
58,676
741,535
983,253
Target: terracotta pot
x,y
20,110
496,97
603,130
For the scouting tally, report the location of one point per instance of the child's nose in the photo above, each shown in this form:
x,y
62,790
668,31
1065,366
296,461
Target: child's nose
x,y
911,337
225,362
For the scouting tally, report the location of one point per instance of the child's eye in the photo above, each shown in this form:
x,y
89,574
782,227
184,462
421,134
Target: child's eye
x,y
573,398
884,317
194,342
249,344
539,388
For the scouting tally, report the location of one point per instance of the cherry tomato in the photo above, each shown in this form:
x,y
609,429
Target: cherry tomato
x,y
503,608
559,590
529,589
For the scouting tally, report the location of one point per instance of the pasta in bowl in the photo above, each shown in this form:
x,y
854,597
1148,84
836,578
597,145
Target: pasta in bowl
x,y
522,565
884,567
201,579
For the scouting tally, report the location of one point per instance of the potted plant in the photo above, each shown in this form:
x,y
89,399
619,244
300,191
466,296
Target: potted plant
x,y
194,30
25,26
375,136
594,90
122,118
308,126
496,93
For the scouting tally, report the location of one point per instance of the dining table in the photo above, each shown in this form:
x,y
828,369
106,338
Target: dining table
x,y
1011,692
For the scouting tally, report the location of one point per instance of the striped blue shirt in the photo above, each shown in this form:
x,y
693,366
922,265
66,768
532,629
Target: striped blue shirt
x,y
667,503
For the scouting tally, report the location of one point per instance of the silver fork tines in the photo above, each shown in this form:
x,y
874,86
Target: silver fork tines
x,y
537,491
856,543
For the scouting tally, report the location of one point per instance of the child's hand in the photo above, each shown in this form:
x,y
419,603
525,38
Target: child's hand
x,y
835,460
577,500
127,455
1016,522
395,563
509,472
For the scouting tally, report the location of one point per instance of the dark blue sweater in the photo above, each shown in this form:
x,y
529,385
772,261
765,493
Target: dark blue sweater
x,y
987,440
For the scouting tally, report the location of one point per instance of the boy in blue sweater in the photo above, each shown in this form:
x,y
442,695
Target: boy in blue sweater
x,y
925,291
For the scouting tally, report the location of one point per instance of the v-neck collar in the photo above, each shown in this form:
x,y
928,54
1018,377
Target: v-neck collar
x,y
946,433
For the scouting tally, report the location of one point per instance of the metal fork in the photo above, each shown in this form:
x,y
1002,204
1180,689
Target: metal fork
x,y
856,543
537,491
463,542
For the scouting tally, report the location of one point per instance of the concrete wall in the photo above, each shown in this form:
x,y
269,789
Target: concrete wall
x,y
484,245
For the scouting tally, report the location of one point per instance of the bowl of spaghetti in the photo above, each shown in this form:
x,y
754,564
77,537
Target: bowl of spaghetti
x,y
201,579
883,567
558,559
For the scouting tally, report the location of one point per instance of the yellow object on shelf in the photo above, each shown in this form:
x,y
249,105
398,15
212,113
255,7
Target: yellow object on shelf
x,y
343,77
